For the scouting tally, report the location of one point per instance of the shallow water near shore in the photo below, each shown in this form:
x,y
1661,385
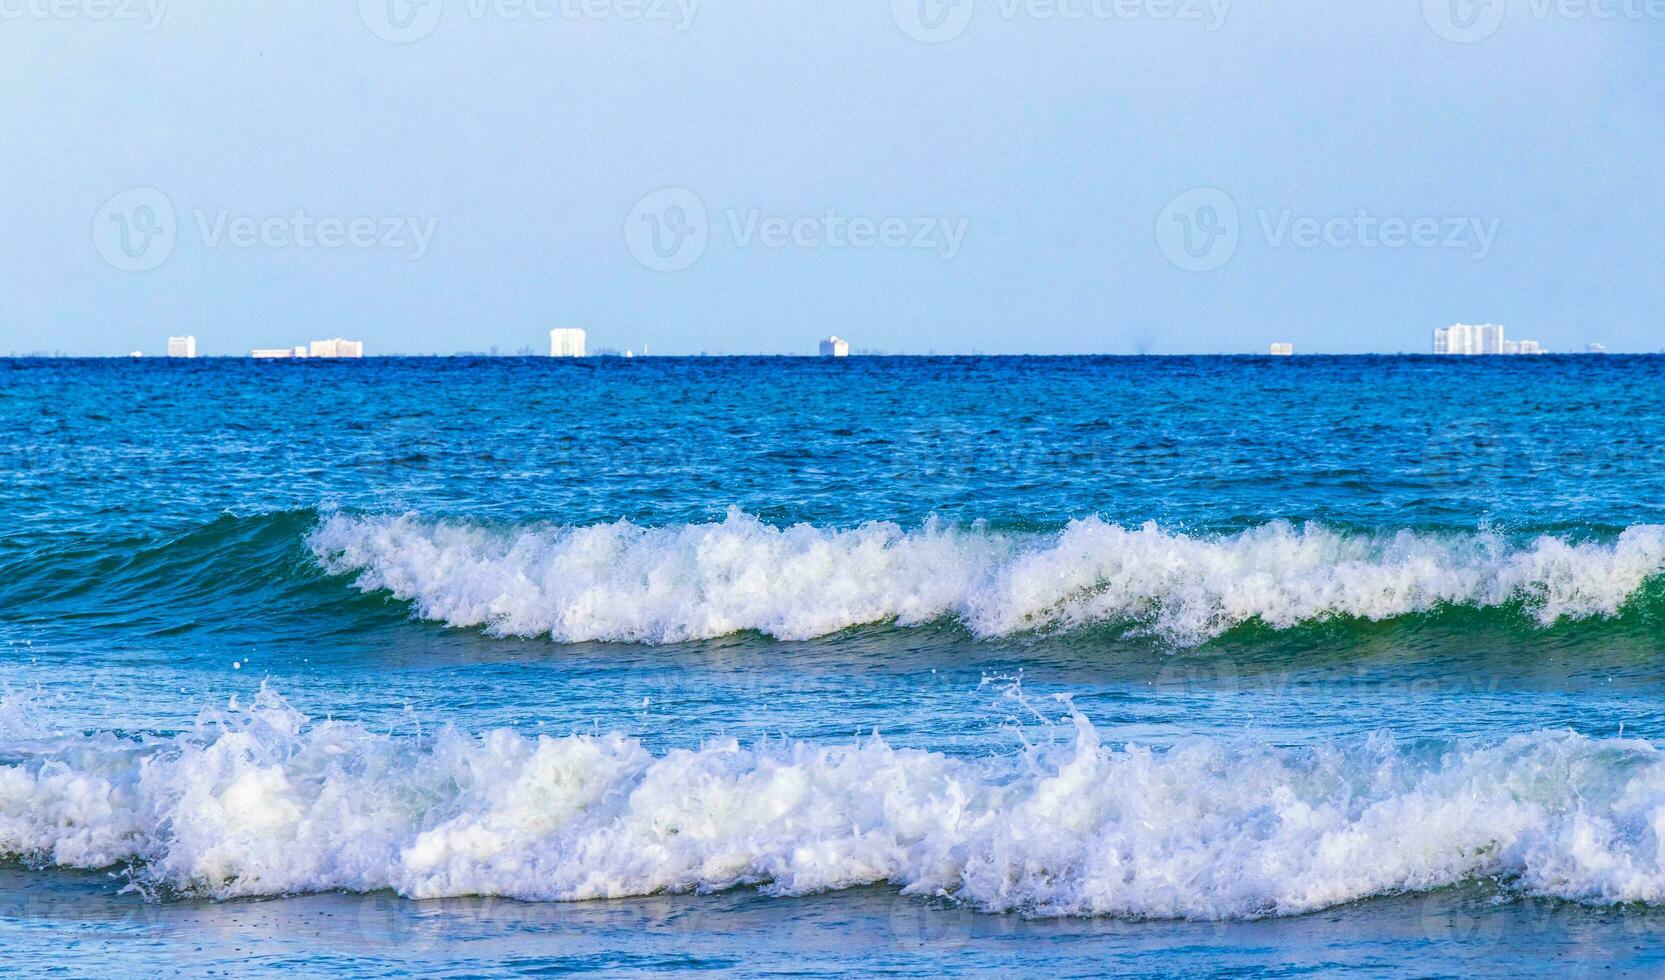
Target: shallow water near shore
x,y
1465,931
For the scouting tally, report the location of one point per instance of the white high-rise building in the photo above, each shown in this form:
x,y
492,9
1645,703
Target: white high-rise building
x,y
337,348
1282,349
835,347
1484,338
182,346
566,342
1468,338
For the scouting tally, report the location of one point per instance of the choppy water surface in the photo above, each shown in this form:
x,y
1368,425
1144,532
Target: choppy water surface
x,y
976,664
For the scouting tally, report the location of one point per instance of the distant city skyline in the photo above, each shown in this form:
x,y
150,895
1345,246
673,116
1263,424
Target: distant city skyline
x,y
1486,338
1458,339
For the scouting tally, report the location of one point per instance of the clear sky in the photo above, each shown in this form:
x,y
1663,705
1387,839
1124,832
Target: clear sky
x,y
740,176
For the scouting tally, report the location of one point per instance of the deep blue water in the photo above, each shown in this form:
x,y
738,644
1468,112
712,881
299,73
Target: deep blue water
x,y
919,665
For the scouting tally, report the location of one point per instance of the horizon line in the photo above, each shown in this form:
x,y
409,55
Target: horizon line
x,y
476,355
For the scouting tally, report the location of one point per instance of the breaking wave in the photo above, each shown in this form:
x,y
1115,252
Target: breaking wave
x,y
261,801
624,582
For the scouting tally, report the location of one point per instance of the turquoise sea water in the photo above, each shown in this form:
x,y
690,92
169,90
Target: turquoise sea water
x,y
1144,665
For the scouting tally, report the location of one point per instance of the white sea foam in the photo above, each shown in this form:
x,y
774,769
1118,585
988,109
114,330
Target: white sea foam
x,y
262,802
658,585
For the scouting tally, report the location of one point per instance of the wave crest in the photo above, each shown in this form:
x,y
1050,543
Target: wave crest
x,y
260,801
624,582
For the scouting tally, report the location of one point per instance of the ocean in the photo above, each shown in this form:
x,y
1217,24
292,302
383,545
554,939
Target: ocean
x,y
916,666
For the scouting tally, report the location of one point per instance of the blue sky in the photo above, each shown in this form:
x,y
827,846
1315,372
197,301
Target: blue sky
x,y
1081,176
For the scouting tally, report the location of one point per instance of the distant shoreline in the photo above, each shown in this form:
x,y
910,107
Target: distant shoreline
x,y
1469,358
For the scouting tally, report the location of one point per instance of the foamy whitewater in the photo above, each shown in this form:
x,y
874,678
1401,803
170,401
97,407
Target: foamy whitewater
x,y
624,582
263,802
